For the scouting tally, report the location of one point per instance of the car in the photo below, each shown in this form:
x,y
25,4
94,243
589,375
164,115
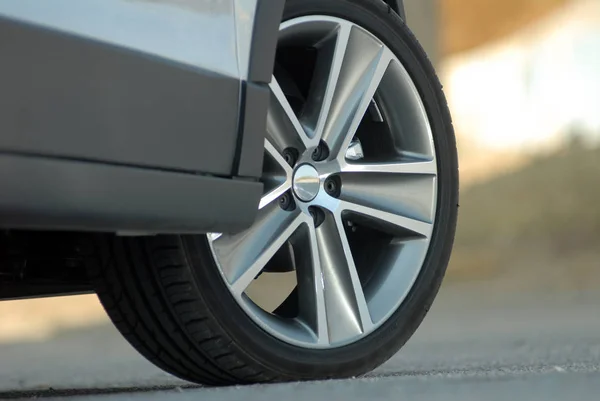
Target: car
x,y
257,190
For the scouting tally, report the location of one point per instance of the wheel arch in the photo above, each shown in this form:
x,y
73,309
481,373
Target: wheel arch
x,y
398,6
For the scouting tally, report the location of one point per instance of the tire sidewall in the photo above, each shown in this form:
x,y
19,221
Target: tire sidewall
x,y
369,352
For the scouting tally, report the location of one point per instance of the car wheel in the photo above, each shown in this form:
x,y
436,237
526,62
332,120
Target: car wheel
x,y
354,230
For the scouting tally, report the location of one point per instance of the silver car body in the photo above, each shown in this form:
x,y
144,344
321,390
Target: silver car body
x,y
134,116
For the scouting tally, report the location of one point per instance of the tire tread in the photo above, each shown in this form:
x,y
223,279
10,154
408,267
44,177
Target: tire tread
x,y
127,288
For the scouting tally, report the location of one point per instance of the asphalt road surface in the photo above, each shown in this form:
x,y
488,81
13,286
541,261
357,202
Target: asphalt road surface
x,y
473,345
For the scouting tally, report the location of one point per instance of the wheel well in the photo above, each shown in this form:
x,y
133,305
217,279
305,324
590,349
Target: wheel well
x,y
41,263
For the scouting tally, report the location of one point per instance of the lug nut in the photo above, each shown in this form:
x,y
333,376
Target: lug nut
x,y
317,215
290,155
286,202
333,186
321,152
330,186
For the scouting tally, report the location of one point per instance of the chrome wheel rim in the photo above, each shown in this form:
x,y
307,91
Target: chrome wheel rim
x,y
350,193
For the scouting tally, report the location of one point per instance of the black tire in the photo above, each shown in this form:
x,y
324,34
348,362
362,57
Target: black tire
x,y
166,295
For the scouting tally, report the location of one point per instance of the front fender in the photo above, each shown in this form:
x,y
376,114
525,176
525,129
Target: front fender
x,y
398,6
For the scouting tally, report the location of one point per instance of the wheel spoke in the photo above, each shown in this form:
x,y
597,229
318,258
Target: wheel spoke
x,y
277,182
395,222
283,127
356,88
311,289
243,255
404,188
427,167
346,309
325,75
354,66
274,194
276,156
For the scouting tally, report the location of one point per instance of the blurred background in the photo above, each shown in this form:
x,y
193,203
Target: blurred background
x,y
522,78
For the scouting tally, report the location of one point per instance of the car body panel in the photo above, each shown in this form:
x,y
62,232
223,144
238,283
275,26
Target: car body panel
x,y
68,97
199,34
110,198
148,88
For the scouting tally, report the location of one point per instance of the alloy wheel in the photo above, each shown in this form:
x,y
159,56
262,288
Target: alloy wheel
x,y
350,178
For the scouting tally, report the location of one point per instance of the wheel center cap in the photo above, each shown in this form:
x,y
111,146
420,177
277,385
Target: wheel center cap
x,y
306,183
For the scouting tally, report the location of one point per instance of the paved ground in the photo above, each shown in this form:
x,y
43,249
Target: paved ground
x,y
474,345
